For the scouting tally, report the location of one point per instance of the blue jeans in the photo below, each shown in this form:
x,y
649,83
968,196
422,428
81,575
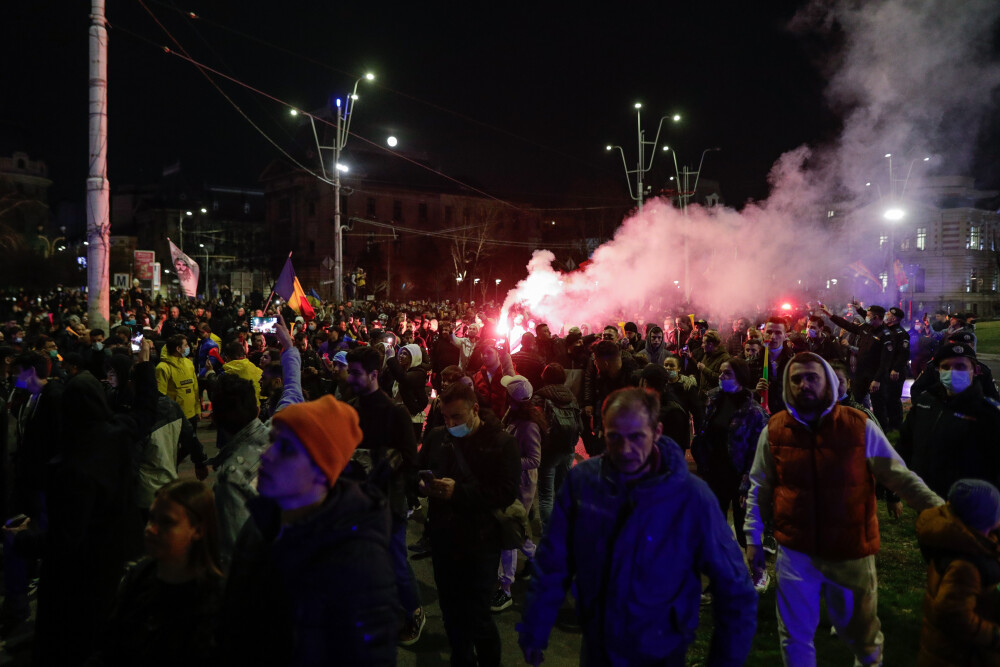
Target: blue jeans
x,y
406,583
550,478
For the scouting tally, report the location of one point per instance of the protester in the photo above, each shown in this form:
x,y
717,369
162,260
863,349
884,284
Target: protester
x,y
167,604
640,502
814,474
725,448
476,470
389,439
565,425
311,581
527,424
961,623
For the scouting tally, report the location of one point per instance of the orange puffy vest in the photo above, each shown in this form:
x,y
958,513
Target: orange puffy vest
x,y
824,495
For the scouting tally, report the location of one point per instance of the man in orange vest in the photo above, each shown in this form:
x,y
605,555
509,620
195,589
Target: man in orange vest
x,y
814,476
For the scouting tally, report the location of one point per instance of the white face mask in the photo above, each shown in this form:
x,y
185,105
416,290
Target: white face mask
x,y
956,381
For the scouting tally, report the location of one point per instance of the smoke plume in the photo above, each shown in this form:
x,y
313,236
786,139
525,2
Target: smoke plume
x,y
912,78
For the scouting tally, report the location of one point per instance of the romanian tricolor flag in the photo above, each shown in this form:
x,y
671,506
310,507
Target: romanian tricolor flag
x,y
862,271
289,289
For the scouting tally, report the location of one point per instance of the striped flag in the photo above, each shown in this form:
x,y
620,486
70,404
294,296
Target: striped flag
x,y
289,289
862,271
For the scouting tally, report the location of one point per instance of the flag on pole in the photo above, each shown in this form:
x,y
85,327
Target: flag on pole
x,y
862,271
289,289
187,270
899,273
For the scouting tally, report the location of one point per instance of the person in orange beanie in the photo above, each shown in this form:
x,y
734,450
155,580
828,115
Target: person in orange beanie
x,y
312,581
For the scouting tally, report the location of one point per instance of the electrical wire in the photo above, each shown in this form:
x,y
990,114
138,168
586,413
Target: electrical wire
x,y
193,17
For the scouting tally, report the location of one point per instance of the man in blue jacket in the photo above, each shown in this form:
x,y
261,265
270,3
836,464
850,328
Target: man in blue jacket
x,y
635,531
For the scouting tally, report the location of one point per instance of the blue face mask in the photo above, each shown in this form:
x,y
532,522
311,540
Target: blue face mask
x,y
459,431
98,346
187,351
729,385
956,381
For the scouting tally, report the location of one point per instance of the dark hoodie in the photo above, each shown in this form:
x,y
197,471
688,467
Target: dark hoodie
x,y
961,604
92,522
318,592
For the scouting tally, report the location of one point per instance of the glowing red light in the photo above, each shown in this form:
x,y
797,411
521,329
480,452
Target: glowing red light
x,y
786,306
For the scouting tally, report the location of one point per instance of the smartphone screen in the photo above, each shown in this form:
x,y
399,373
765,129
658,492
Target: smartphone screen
x,y
137,342
264,325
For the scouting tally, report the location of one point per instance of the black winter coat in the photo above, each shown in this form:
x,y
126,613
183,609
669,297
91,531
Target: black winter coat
x,y
490,480
318,592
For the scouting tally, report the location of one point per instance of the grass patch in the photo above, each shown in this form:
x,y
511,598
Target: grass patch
x,y
902,575
988,337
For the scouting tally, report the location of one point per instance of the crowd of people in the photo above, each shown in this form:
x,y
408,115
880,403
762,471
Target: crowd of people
x,y
600,459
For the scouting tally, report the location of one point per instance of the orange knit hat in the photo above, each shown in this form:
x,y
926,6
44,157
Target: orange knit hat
x,y
328,429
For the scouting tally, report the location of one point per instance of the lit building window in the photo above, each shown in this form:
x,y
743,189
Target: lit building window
x,y
883,239
830,214
921,238
974,238
884,279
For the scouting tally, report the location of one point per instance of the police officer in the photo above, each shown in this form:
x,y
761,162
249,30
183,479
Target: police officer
x,y
872,366
897,355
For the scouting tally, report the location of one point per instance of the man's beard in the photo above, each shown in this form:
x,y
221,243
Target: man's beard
x,y
809,401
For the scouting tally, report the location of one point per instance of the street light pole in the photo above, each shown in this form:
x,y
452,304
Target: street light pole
x,y
641,167
344,111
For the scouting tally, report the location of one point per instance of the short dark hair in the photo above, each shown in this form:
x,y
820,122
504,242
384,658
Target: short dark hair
x,y
459,391
98,332
174,342
234,401
42,363
606,349
654,330
553,374
234,350
655,377
448,374
633,396
777,319
367,356
742,372
815,318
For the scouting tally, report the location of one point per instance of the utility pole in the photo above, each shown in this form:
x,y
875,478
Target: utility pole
x,y
98,188
641,167
684,194
344,109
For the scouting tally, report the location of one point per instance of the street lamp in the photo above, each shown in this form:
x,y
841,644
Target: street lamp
x,y
344,109
392,141
641,167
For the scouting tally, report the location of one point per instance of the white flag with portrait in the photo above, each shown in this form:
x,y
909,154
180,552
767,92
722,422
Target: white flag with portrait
x,y
187,270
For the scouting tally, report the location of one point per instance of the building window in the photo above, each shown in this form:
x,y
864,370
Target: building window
x,y
447,215
905,245
246,208
883,239
974,238
975,282
397,210
422,213
830,214
921,238
917,279
215,204
884,279
370,208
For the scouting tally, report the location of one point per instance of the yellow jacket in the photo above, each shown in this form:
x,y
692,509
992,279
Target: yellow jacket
x,y
245,369
176,378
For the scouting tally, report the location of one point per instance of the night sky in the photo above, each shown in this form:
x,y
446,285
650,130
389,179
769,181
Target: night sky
x,y
519,102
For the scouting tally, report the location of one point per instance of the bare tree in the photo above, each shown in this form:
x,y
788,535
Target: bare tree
x,y
472,243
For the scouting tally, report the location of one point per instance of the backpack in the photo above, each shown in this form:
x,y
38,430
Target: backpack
x,y
565,427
